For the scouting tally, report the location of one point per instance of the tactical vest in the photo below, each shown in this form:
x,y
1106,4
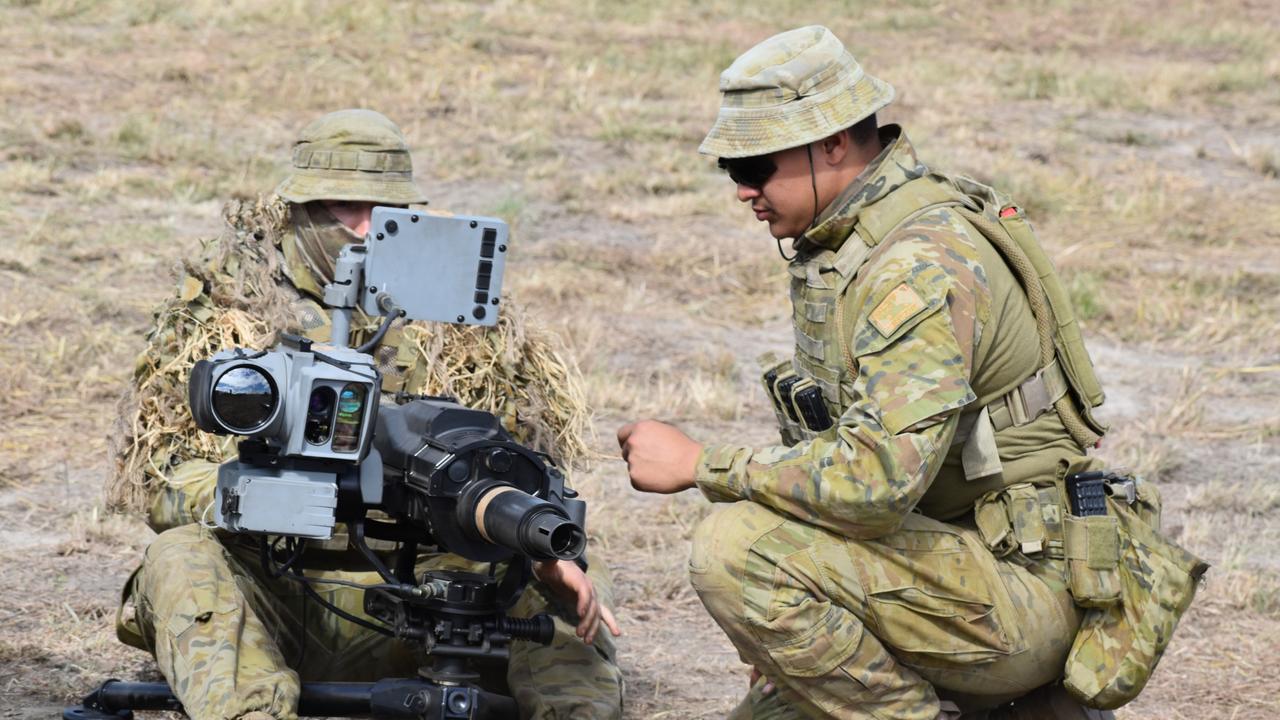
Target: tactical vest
x,y
813,389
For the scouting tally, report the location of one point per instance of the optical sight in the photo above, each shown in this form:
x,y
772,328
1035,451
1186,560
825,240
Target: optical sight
x,y
306,403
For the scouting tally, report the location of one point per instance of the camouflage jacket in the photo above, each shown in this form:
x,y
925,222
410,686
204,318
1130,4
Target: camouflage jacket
x,y
935,323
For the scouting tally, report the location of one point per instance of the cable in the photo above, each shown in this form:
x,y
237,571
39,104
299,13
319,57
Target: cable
x,y
393,312
813,180
265,550
266,553
204,517
347,583
783,254
311,593
302,642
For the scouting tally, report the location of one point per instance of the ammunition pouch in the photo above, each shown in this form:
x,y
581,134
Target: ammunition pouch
x,y
797,402
1134,583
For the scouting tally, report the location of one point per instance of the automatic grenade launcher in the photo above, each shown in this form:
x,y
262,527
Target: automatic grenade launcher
x,y
320,449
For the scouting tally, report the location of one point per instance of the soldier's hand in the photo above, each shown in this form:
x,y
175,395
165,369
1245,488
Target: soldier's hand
x,y
571,585
660,458
768,688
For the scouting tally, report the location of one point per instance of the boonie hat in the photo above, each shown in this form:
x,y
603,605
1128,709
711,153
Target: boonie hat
x,y
790,90
356,155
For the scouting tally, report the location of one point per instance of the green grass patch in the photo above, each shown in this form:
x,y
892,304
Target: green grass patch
x,y
1086,290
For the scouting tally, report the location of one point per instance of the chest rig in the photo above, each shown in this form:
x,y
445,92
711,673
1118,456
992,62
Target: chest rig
x,y
813,389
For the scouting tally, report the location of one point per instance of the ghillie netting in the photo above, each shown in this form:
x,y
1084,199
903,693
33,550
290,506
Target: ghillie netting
x,y
236,294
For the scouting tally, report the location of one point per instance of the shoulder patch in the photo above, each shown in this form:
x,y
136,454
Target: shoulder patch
x,y
898,306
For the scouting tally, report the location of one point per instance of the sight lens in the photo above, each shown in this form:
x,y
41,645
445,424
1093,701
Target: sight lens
x,y
319,415
321,400
244,399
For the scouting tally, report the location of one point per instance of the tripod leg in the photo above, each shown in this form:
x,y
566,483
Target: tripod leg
x,y
387,699
424,700
115,700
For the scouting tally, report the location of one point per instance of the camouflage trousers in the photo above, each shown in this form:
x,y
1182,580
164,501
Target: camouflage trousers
x,y
878,628
231,640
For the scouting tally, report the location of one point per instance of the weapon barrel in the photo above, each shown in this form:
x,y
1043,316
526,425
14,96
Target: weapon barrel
x,y
527,525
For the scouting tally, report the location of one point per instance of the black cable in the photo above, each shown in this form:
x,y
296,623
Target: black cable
x,y
311,593
784,255
342,365
242,354
813,180
302,642
275,571
393,312
294,549
347,583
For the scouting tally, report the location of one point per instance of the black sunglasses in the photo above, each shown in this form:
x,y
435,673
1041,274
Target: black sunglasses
x,y
753,172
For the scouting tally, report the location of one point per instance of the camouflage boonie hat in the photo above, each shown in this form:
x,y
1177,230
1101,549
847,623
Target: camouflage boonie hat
x,y
356,155
790,90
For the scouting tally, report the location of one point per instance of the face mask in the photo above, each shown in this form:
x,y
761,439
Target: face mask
x,y
319,237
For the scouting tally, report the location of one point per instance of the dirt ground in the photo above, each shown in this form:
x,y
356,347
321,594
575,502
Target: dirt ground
x,y
1142,137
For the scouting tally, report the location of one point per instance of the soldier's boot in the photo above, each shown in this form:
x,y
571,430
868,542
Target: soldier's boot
x,y
1049,702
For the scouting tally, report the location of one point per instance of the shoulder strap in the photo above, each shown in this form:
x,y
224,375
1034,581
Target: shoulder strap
x,y
1050,326
1058,333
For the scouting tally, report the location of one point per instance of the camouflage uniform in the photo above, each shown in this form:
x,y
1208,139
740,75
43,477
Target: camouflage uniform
x,y
233,641
848,564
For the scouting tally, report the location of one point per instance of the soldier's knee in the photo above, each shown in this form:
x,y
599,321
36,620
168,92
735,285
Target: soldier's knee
x,y
721,544
189,551
177,544
712,549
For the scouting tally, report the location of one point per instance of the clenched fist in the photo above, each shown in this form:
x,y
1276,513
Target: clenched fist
x,y
660,458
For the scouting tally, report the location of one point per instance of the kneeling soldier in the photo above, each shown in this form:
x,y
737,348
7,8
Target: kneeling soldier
x,y
907,552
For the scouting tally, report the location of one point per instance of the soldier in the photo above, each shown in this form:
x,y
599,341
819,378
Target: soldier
x,y
234,642
901,554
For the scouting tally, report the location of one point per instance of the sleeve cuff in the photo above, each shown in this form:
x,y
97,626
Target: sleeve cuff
x,y
720,472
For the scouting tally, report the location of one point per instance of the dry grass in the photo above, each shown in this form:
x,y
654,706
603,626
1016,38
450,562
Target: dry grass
x,y
1141,137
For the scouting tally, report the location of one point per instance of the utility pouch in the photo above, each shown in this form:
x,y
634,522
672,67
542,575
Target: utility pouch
x,y
1092,547
1024,518
775,374
1120,642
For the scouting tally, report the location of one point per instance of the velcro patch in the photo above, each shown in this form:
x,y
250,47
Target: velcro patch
x,y
898,307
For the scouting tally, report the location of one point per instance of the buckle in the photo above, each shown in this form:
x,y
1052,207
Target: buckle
x,y
1035,396
1031,398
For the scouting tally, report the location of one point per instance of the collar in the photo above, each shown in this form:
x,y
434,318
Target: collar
x,y
895,166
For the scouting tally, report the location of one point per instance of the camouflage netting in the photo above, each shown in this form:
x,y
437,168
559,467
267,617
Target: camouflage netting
x,y
236,294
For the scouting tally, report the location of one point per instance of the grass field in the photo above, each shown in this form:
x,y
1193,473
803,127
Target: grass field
x,y
1142,137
